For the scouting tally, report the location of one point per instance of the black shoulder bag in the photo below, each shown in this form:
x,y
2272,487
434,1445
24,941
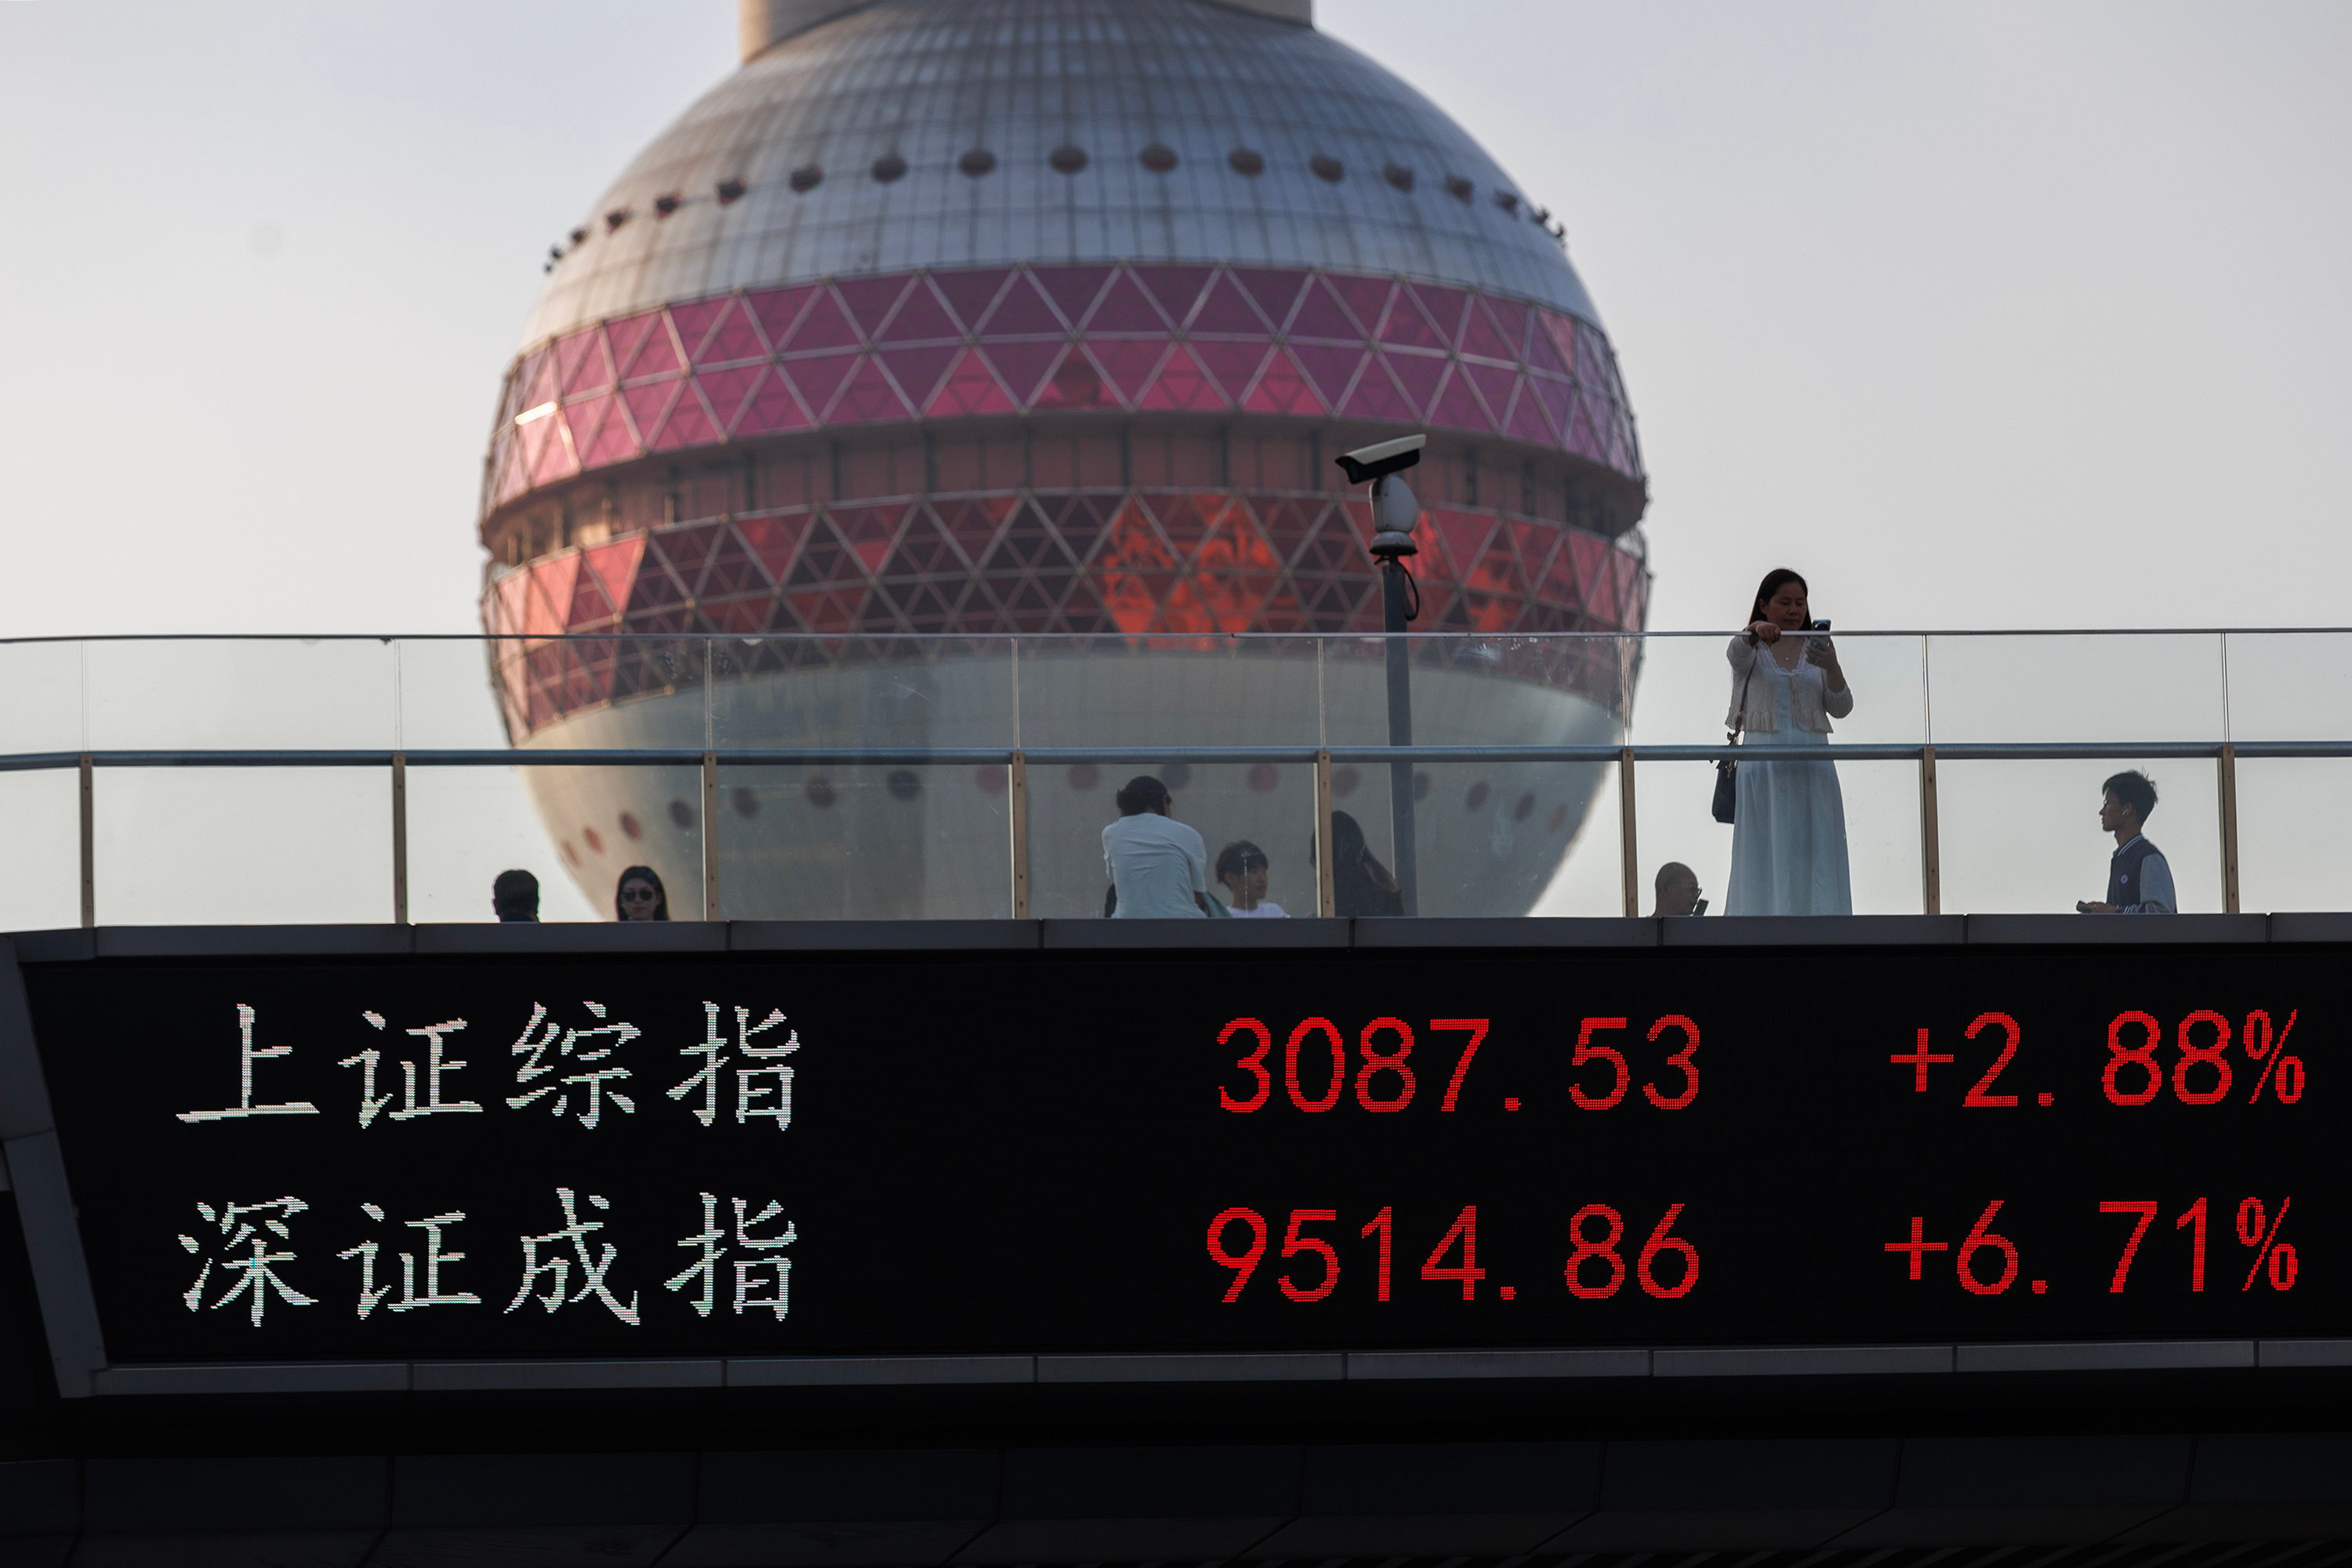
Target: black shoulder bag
x,y
1727,771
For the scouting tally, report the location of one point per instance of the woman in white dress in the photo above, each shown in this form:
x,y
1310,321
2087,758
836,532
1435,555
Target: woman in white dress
x,y
1787,835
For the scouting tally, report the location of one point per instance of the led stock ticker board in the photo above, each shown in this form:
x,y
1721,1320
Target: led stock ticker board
x,y
873,1154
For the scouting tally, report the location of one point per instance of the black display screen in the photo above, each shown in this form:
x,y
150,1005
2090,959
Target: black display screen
x,y
1037,1151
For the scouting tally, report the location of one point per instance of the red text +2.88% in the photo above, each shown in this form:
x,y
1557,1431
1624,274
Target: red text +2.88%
x,y
2201,1072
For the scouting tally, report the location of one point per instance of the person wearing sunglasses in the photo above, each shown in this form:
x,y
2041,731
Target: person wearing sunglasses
x,y
1242,867
639,896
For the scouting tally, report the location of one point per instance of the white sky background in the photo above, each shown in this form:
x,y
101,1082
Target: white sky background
x,y
1985,315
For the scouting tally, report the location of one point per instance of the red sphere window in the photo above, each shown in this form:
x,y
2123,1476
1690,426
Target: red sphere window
x,y
1479,794
1263,776
1525,809
595,844
1176,775
632,827
991,780
903,785
747,802
1344,782
681,814
819,792
1085,775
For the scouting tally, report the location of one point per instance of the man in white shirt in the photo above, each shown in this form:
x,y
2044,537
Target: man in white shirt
x,y
2139,880
1159,867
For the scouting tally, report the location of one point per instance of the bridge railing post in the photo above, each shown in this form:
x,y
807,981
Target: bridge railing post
x,y
1931,849
1327,902
711,836
1628,839
89,844
2226,792
1017,802
399,838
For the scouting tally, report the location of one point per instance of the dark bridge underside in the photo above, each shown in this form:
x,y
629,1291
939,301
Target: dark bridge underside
x,y
2141,1458
167,1495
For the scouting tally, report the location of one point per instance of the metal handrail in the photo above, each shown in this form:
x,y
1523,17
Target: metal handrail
x,y
538,639
1015,760
921,756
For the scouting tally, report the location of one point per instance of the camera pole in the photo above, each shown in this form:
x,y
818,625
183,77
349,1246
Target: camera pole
x,y
1397,610
1394,513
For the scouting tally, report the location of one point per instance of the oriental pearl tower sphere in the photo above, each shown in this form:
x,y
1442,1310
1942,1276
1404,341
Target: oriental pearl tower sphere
x,y
969,374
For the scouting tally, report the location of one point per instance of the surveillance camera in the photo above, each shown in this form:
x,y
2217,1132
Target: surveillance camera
x,y
1382,457
1394,508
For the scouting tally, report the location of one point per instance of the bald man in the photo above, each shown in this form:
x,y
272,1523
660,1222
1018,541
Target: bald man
x,y
1679,890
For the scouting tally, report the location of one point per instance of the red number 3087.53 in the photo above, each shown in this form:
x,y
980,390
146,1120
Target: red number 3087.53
x,y
1315,1068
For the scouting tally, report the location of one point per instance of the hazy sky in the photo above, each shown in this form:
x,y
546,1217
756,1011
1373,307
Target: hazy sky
x,y
1981,314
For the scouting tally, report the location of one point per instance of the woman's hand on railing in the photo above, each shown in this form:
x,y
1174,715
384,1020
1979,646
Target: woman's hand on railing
x,y
1763,631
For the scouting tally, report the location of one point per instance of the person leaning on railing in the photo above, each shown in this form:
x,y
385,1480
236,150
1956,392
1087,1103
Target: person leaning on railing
x,y
1158,866
1787,835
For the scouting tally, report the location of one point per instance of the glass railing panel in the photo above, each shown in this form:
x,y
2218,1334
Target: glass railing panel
x,y
1493,837
40,816
1147,691
2290,856
2024,837
1673,819
450,696
44,709
860,692
1882,835
1269,804
1588,881
1683,691
2057,688
466,825
241,845
320,694
1879,803
2290,686
826,842
617,693
1478,690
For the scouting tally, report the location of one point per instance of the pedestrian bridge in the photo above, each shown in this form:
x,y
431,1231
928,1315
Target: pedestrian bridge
x,y
173,781
1945,1231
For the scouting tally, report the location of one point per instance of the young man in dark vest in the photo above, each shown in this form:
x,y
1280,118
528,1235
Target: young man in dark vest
x,y
2140,882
